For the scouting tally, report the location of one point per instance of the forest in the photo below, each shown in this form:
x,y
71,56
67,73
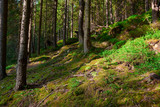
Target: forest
x,y
80,53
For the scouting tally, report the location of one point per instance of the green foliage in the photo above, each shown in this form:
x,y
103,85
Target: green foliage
x,y
119,44
132,51
72,40
113,40
106,53
10,66
73,83
152,64
152,35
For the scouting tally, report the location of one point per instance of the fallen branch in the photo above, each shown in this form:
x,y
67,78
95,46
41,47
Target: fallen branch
x,y
44,99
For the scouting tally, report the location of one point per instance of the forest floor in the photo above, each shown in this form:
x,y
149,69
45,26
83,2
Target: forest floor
x,y
119,70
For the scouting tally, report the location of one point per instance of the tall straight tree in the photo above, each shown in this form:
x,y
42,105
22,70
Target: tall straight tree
x,y
107,14
131,7
54,23
72,20
117,11
40,26
34,28
64,25
126,13
22,57
68,21
87,43
111,12
3,36
146,5
30,29
45,26
81,17
155,11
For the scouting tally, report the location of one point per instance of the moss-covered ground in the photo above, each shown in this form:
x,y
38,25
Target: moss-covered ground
x,y
112,74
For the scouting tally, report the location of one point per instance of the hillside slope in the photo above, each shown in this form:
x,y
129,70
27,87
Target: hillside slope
x,y
122,69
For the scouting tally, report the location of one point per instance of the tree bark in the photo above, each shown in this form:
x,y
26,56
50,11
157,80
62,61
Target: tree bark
x,y
22,57
54,24
72,21
81,17
131,7
64,26
40,26
155,11
146,5
117,10
87,43
45,26
126,13
3,37
68,23
30,30
34,28
111,12
107,14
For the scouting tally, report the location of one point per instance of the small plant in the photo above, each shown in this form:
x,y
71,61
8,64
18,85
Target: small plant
x,y
73,83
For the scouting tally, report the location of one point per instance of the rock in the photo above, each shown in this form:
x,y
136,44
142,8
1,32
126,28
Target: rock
x,y
156,48
154,76
154,45
147,80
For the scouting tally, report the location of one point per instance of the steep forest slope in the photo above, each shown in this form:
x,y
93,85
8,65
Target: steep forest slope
x,y
122,69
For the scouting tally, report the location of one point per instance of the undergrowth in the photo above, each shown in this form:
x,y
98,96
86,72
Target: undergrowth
x,y
70,78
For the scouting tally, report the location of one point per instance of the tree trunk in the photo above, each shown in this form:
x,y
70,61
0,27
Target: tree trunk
x,y
54,24
20,19
30,30
3,37
72,21
126,13
104,16
117,10
131,7
22,57
87,43
68,24
111,12
107,14
155,11
45,27
123,12
64,26
146,5
40,26
34,28
81,17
